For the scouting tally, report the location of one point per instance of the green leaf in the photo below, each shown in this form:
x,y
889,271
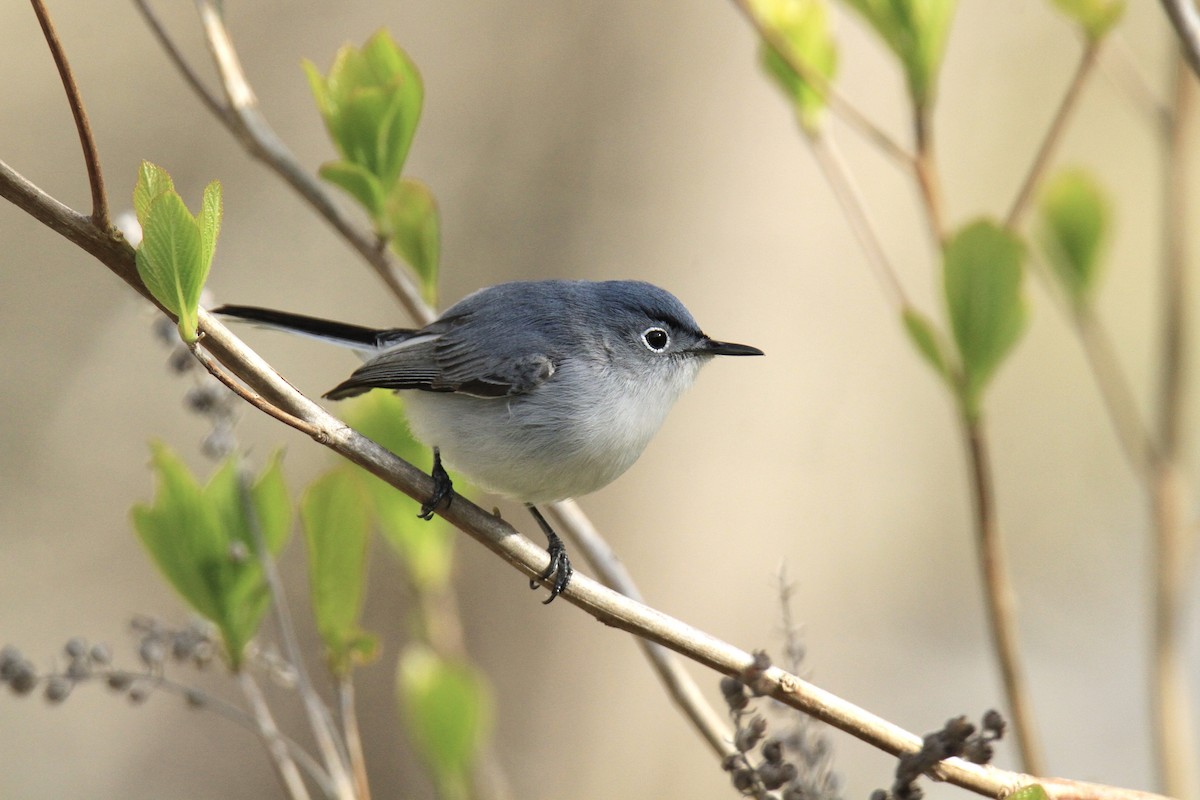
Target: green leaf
x,y
1073,223
169,259
415,228
804,25
1094,17
320,90
425,549
916,31
447,708
1031,792
359,183
209,222
371,103
201,540
982,274
152,181
336,514
181,532
927,340
395,70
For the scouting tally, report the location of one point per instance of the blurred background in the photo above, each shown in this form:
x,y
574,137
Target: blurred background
x,y
600,140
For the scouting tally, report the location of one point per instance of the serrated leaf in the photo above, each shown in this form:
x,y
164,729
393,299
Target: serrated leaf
x,y
336,514
209,221
1094,17
927,340
1073,223
199,537
983,267
169,259
152,181
804,25
414,225
447,709
359,183
425,548
916,32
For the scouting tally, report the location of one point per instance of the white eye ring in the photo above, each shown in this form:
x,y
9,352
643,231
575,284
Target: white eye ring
x,y
656,339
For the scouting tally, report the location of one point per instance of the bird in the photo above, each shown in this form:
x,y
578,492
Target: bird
x,y
535,390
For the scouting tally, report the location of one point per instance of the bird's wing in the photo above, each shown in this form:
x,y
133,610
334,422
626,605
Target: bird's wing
x,y
440,358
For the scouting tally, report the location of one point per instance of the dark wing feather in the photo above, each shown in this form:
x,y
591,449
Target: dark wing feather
x,y
440,358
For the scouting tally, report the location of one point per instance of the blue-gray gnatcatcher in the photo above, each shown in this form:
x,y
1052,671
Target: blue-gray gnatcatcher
x,y
537,390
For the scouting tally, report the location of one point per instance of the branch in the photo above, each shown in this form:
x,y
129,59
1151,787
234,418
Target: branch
x,y
1174,732
926,172
1185,19
607,606
854,206
321,724
1053,134
679,684
1001,605
90,157
276,746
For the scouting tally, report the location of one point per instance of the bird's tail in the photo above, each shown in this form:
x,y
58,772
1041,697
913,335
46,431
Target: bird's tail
x,y
356,337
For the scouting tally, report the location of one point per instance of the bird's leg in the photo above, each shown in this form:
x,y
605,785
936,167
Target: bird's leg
x,y
442,488
560,566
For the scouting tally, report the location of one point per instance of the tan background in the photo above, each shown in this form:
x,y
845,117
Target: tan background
x,y
599,140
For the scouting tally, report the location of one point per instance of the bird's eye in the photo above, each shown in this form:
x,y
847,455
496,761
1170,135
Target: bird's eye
x,y
656,339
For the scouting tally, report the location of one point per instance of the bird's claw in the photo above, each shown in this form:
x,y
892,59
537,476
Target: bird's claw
x,y
443,488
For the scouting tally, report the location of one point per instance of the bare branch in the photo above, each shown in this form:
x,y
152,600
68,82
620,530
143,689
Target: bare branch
x,y
679,684
1174,729
285,768
1054,133
854,206
1001,603
1185,19
91,157
337,760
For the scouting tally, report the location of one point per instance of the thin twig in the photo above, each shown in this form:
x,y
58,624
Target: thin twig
x,y
1119,64
1185,19
1134,438
254,399
350,732
332,748
210,100
1041,161
836,101
285,768
854,206
1001,605
679,684
91,157
926,173
1174,732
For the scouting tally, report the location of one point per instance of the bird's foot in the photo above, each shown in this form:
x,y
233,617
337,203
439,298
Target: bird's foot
x,y
560,566
443,488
